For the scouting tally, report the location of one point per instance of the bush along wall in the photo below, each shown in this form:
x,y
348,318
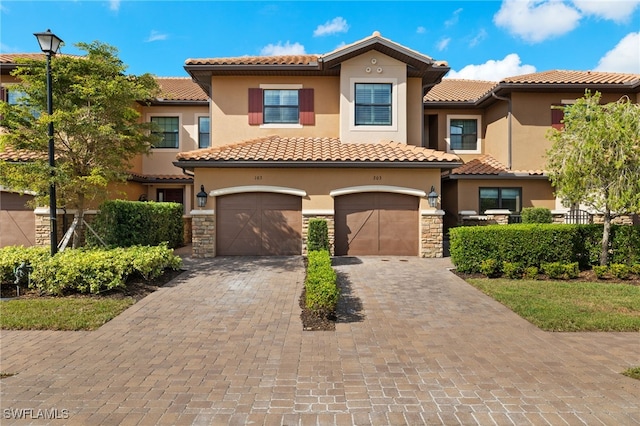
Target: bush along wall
x,y
321,287
127,223
318,238
536,215
532,245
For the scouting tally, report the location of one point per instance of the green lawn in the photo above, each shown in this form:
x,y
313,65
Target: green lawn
x,y
568,306
81,313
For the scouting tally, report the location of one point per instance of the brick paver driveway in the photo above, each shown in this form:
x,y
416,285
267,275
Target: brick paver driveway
x,y
414,345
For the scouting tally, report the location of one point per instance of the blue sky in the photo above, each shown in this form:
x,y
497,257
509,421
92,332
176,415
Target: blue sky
x,y
486,40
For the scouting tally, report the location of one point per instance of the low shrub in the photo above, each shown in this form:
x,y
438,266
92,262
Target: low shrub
x,y
600,271
490,268
619,270
536,215
318,235
531,273
97,270
571,270
512,270
554,270
11,257
321,289
635,269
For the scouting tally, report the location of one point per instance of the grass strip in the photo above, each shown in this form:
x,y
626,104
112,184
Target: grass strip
x,y
568,306
82,313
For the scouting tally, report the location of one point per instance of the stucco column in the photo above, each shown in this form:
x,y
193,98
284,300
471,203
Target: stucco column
x,y
203,229
431,233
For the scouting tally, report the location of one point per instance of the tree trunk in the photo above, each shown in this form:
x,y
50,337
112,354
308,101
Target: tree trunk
x,y
606,231
80,216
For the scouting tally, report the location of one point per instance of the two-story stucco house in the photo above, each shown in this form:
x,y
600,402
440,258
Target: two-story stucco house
x,y
337,136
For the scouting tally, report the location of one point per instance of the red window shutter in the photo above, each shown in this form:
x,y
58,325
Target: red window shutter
x,y
557,115
305,101
255,106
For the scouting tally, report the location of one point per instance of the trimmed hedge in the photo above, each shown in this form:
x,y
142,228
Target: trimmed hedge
x,y
536,215
321,284
123,223
90,270
538,244
318,238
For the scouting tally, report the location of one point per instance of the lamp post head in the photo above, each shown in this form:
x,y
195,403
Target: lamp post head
x,y
49,42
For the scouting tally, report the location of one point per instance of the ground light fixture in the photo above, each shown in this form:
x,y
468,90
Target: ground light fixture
x,y
433,197
49,44
202,197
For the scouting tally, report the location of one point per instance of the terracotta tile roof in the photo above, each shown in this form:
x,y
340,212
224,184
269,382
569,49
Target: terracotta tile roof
x,y
180,89
453,90
573,77
10,58
20,155
279,149
138,177
487,165
257,60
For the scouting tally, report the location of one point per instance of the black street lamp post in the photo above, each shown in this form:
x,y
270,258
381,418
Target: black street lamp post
x,y
49,44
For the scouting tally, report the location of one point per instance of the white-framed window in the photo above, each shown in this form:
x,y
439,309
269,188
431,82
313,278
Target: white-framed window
x,y
168,127
374,104
281,106
204,131
500,198
463,134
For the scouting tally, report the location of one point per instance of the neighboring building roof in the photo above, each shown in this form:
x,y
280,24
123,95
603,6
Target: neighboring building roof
x,y
20,155
418,65
10,58
142,178
453,90
180,90
473,93
276,151
487,166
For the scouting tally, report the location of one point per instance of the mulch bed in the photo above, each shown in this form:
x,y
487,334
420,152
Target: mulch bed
x,y
313,321
585,276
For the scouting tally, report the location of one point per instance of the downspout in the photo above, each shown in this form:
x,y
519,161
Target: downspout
x,y
509,141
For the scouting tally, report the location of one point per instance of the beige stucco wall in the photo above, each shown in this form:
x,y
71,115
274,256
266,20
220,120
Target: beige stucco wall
x,y
160,161
373,67
230,108
414,112
317,183
496,124
442,128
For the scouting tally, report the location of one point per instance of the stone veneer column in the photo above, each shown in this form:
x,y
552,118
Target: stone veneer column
x,y
431,233
306,216
498,216
203,233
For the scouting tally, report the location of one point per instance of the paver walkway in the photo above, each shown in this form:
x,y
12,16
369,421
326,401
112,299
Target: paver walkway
x,y
224,345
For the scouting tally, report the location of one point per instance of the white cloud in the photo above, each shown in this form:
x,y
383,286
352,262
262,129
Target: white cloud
x,y
282,49
616,10
454,19
336,25
625,57
421,30
494,70
536,20
481,36
157,36
443,43
114,5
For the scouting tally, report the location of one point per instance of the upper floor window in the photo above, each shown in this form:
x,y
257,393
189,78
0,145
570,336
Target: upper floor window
x,y
168,128
204,132
501,198
286,105
280,106
373,104
463,134
15,96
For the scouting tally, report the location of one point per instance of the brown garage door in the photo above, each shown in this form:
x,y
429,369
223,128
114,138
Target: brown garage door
x,y
17,221
259,224
376,223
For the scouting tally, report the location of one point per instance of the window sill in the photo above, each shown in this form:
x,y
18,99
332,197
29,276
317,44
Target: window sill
x,y
281,126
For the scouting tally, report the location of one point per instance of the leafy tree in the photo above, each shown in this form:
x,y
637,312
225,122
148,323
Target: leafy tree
x,y
595,159
97,127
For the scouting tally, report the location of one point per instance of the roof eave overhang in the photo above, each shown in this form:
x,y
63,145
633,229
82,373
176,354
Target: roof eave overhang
x,y
170,102
509,176
450,104
192,164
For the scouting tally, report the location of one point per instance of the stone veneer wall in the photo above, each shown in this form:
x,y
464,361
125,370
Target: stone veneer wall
x,y
330,226
43,225
203,228
431,234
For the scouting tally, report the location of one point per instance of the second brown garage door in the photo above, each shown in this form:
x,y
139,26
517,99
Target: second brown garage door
x,y
259,224
376,223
